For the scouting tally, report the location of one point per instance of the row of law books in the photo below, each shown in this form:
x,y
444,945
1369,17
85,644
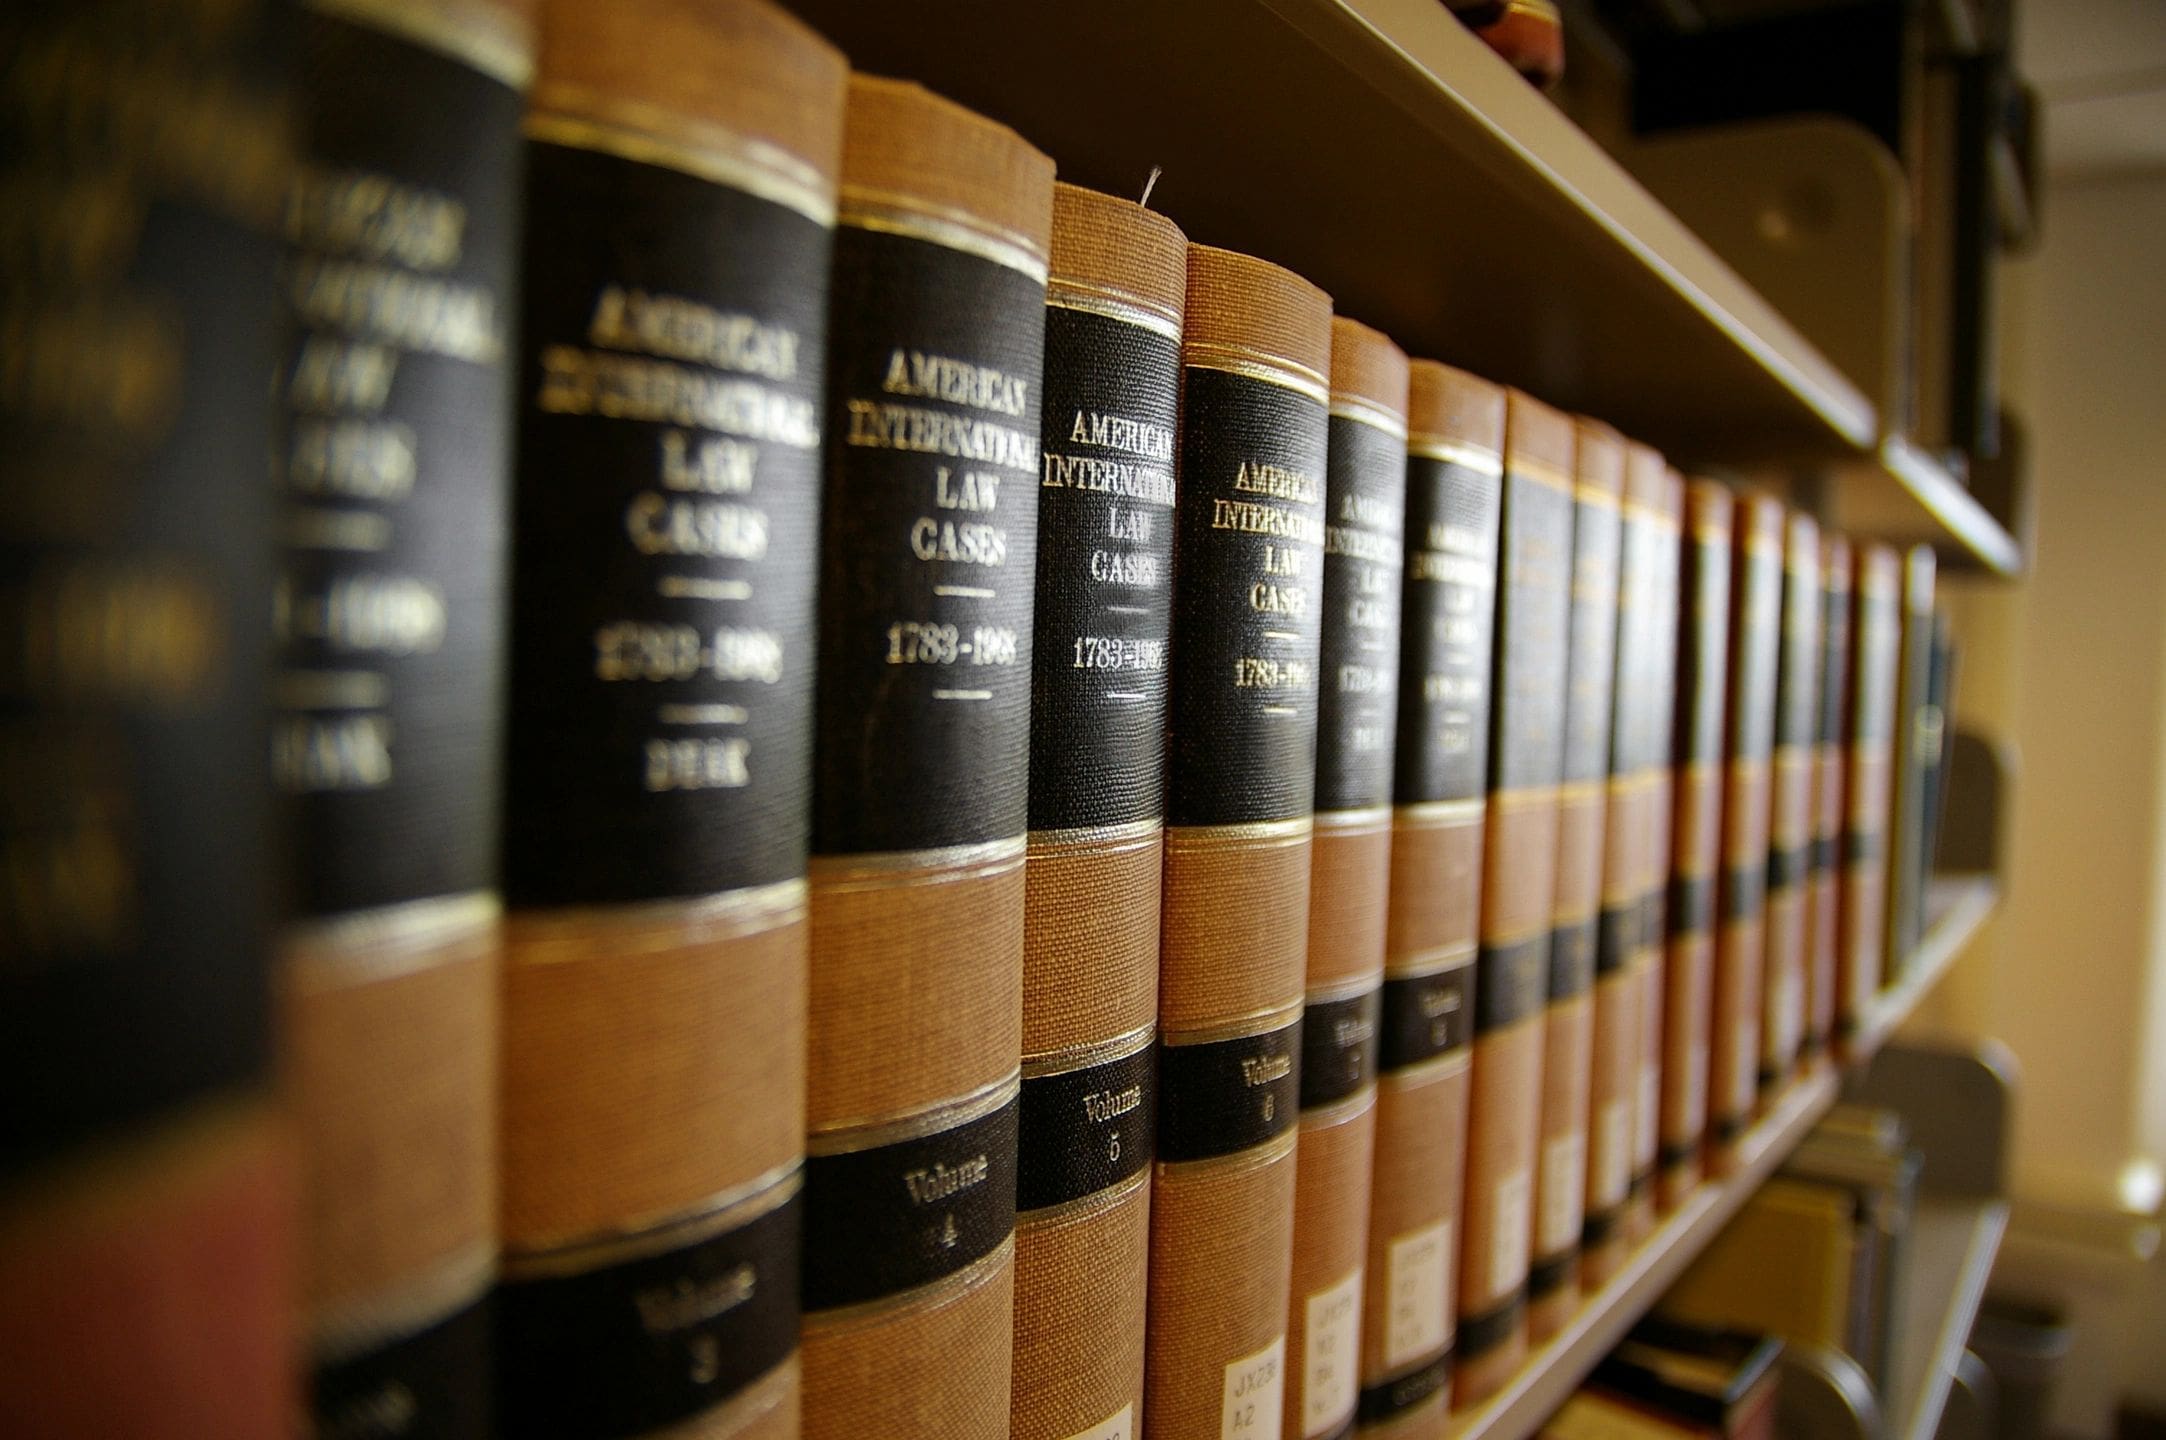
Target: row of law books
x,y
829,787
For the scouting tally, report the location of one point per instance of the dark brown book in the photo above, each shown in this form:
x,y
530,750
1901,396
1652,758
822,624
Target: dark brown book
x,y
1560,1179
1630,754
1869,784
1350,875
1651,987
1741,905
1526,760
680,177
1701,701
1454,489
1823,906
146,1219
1920,730
388,719
1785,981
921,792
1240,781
1097,797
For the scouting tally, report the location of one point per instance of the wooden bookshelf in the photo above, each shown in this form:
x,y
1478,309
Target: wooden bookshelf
x,y
1955,910
1951,1243
1378,148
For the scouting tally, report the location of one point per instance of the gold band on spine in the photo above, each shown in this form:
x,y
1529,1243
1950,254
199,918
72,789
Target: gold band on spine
x,y
495,39
706,154
891,213
1070,295
718,1214
1255,366
340,1331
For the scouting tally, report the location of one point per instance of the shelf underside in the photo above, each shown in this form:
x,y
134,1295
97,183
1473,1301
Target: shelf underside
x,y
1382,151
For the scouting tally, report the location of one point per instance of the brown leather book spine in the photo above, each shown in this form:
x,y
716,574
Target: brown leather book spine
x,y
1783,998
1741,906
681,165
1560,1178
1823,910
1240,779
1701,703
1876,643
146,1208
146,1284
1454,490
1103,610
921,790
1350,875
388,721
1649,966
1626,846
1526,762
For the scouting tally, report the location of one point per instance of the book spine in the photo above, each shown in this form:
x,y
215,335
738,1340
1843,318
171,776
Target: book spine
x,y
921,797
1783,997
146,1209
1350,875
1613,1060
1701,695
1919,731
1526,760
1097,798
1824,903
1741,908
1454,490
1560,1178
1240,776
680,178
1876,643
393,468
1650,967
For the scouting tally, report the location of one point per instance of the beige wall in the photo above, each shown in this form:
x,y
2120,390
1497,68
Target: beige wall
x,y
2071,667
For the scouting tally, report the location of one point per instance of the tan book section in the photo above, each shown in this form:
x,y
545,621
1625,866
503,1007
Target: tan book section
x,y
1122,722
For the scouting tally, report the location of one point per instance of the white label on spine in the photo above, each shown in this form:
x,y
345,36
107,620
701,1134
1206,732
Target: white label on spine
x,y
1419,1321
1564,1184
1615,1127
1789,1013
1120,1425
1744,1071
1255,1397
1647,1111
1514,1233
1331,1370
1697,1064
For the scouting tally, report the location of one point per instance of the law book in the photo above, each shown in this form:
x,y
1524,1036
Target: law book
x,y
1876,633
680,182
1823,905
1629,756
1700,705
1784,980
1645,1196
1240,782
1741,888
395,429
1349,875
921,800
1454,492
1919,731
1117,283
1526,759
147,1230
1560,1177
